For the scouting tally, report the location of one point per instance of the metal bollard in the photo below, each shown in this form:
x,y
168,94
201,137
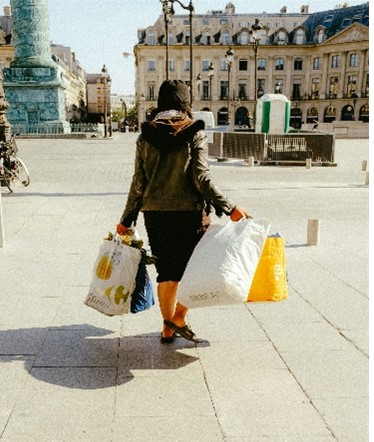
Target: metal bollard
x,y
367,178
251,161
2,240
308,163
313,232
365,166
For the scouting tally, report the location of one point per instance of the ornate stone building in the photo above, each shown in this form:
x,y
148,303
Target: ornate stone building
x,y
319,61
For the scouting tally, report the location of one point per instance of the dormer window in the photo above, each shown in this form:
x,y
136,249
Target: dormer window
x,y
281,38
244,38
320,36
300,37
225,37
151,38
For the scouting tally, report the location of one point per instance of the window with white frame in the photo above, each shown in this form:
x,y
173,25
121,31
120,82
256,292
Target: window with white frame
x,y
316,63
320,36
225,37
224,86
151,38
243,90
300,37
151,65
207,38
281,38
315,87
205,65
279,64
223,65
151,90
333,89
244,38
171,65
352,85
261,64
335,61
353,60
186,65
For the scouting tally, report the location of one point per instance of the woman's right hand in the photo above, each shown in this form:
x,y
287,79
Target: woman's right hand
x,y
122,230
238,213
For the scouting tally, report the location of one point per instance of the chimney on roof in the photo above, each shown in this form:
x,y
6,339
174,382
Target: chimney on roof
x,y
7,11
283,10
305,9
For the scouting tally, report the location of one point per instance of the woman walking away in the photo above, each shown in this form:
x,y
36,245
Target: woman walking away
x,y
172,186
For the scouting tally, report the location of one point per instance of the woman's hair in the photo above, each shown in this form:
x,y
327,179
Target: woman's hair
x,y
174,94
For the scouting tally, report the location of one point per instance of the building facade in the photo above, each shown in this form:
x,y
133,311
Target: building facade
x,y
319,61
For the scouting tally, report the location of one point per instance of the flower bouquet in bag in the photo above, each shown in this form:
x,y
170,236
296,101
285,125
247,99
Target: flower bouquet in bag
x,y
119,273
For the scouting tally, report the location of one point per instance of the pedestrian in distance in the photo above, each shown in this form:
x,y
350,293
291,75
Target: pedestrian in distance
x,y
173,189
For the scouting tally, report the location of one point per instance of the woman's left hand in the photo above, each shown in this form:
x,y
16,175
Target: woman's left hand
x,y
238,213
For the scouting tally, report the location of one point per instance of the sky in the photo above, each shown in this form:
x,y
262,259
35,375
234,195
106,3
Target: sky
x,y
100,31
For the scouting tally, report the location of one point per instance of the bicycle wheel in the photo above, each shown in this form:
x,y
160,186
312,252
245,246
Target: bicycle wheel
x,y
20,173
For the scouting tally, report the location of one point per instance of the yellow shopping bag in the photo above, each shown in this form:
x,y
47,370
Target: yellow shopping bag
x,y
270,279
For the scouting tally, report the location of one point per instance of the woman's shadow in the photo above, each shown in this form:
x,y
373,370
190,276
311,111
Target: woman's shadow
x,y
86,357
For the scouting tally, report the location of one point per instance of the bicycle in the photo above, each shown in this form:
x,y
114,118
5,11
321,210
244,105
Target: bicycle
x,y
13,171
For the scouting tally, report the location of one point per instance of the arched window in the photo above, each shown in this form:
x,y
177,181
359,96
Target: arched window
x,y
222,116
347,113
281,38
226,37
364,113
241,116
244,38
263,37
206,38
320,36
329,115
296,118
300,37
312,115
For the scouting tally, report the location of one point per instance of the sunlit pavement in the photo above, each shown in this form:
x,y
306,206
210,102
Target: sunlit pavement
x,y
290,371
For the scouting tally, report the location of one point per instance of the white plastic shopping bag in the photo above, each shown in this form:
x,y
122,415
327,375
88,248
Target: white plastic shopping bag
x,y
114,277
221,268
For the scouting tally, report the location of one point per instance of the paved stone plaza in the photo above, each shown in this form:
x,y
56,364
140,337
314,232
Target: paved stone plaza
x,y
291,371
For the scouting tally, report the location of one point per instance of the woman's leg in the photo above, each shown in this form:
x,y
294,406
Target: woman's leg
x,y
170,309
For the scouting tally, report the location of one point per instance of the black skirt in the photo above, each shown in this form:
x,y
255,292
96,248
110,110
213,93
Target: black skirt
x,y
173,237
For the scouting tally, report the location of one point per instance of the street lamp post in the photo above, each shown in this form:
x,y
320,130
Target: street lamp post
x,y
355,99
211,75
105,77
255,44
168,12
229,60
198,82
125,122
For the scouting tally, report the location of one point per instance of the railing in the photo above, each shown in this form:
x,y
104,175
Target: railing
x,y
299,147
55,129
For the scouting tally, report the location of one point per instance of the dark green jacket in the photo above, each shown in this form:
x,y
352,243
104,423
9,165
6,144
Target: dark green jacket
x,y
172,174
